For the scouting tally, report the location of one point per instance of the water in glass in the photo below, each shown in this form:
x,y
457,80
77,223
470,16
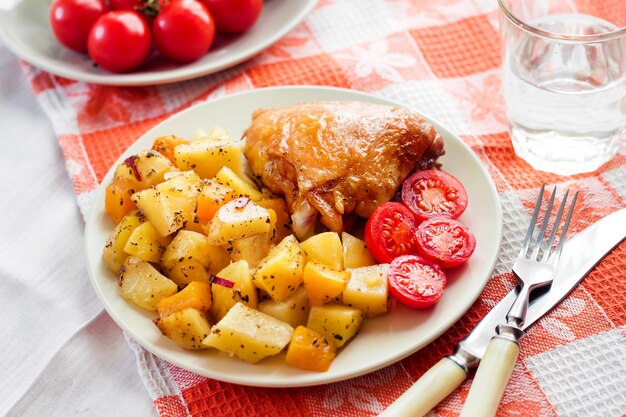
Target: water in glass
x,y
566,101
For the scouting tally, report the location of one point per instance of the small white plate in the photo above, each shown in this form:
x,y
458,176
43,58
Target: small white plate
x,y
25,30
382,340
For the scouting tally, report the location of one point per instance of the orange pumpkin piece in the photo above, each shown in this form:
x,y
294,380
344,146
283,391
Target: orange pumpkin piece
x,y
117,202
195,295
213,196
165,145
310,350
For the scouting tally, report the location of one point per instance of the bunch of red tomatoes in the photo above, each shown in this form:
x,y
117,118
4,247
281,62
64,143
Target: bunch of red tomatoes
x,y
118,35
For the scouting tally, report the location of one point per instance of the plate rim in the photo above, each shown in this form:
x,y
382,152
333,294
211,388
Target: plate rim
x,y
280,383
156,78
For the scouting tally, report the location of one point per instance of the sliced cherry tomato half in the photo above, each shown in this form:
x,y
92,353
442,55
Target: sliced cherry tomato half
x,y
390,232
434,193
445,241
416,282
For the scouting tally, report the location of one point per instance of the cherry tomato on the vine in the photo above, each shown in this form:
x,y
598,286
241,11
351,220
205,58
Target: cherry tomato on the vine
x,y
445,241
416,282
71,21
120,41
434,193
390,232
234,16
184,30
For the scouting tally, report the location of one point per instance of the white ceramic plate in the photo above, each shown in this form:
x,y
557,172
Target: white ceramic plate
x,y
382,340
24,28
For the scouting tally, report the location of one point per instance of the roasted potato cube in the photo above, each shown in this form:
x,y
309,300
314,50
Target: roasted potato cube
x,y
310,350
279,274
170,204
187,328
113,253
146,243
195,295
323,283
355,253
324,248
293,310
242,188
251,249
243,291
249,334
367,289
336,322
188,271
187,245
207,157
238,219
145,169
140,283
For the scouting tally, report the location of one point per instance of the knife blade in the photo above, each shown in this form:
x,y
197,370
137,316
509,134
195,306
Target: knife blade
x,y
580,254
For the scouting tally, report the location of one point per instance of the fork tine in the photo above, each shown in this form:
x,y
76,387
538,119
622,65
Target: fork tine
x,y
565,227
533,222
555,228
544,225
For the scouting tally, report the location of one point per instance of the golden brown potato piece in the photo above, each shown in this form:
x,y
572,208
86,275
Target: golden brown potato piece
x,y
333,158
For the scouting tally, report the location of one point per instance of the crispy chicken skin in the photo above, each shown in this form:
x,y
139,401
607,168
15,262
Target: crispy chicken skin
x,y
333,158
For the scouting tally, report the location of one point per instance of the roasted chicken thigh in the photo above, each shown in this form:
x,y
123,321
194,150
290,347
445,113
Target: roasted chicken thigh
x,y
335,158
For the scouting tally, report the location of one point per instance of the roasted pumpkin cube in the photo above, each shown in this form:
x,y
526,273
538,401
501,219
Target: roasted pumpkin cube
x,y
144,169
213,196
324,248
170,204
140,283
207,157
238,219
113,253
293,310
195,295
165,146
323,283
338,323
117,201
242,188
146,243
355,253
310,350
367,289
187,328
279,274
282,225
249,334
243,290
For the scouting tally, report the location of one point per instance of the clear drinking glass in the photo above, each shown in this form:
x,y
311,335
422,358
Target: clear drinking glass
x,y
564,78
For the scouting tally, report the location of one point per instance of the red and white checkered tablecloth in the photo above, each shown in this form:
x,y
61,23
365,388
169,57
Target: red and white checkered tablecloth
x,y
440,57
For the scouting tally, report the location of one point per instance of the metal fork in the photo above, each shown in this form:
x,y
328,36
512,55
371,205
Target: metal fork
x,y
534,268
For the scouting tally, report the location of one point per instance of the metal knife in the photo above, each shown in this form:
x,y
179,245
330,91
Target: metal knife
x,y
580,254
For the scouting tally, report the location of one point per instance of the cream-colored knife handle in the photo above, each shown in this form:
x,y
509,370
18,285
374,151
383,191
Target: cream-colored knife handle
x,y
435,385
491,378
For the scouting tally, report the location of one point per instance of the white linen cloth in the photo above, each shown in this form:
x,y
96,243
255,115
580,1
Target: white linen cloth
x,y
60,355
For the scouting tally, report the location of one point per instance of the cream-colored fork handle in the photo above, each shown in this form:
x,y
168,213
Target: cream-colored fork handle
x,y
435,385
491,378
